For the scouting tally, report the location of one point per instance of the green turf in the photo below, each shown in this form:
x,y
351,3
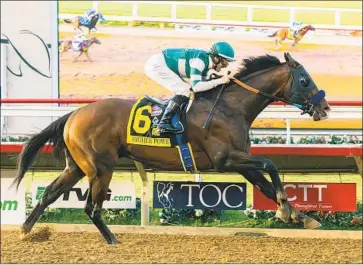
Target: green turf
x,y
225,13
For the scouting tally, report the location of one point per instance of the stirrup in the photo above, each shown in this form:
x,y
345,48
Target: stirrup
x,y
173,130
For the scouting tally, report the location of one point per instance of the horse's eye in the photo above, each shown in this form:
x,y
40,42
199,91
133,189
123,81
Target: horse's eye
x,y
304,80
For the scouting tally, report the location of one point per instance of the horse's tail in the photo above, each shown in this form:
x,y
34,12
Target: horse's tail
x,y
53,133
273,34
67,20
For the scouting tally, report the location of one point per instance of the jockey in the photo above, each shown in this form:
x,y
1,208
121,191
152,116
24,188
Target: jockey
x,y
296,26
170,67
89,14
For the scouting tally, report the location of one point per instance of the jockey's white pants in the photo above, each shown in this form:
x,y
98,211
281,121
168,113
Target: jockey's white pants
x,y
157,70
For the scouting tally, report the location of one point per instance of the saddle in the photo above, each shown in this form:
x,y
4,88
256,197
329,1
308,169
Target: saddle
x,y
142,129
292,33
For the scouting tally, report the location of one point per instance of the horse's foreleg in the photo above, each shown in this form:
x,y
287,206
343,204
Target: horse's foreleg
x,y
295,42
238,161
257,179
75,59
86,53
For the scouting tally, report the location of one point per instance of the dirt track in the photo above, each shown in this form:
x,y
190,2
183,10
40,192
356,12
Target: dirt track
x,y
88,247
118,67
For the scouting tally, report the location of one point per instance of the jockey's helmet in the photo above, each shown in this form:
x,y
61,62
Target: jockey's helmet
x,y
224,50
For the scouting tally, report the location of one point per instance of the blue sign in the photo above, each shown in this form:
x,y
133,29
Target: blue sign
x,y
204,195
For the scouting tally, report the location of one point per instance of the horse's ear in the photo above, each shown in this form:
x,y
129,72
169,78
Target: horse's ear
x,y
290,61
285,55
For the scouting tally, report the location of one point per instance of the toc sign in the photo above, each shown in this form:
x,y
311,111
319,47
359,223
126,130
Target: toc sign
x,y
339,197
190,195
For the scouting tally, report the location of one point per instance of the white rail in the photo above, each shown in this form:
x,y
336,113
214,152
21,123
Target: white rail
x,y
279,112
249,21
286,113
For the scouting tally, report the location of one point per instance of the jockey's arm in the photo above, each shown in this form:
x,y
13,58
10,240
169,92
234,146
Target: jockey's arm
x,y
196,69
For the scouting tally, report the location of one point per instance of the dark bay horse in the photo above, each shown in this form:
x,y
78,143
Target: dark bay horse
x,y
93,138
77,23
283,34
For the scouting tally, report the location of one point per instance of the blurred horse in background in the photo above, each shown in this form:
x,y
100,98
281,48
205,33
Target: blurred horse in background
x,y
283,34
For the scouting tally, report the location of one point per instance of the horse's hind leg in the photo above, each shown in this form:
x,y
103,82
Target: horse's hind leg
x,y
99,168
96,195
64,182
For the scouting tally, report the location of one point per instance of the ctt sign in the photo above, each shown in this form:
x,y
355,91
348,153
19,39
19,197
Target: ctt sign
x,y
339,197
191,195
119,196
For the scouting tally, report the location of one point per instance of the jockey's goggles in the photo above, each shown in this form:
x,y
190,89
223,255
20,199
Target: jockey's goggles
x,y
223,61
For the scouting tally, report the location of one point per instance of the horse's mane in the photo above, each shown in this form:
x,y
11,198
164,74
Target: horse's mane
x,y
253,64
248,66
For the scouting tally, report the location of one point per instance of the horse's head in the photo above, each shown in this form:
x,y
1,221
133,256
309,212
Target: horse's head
x,y
303,91
95,40
307,28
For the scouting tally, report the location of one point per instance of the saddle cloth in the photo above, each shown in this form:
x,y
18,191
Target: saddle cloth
x,y
290,34
77,45
142,130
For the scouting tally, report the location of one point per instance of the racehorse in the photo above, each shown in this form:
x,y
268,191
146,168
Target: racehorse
x,y
282,34
93,137
80,45
77,23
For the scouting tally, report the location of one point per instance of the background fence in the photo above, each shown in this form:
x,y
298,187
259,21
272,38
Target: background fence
x,y
220,14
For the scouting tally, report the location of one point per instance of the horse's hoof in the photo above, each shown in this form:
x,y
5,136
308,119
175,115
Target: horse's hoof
x,y
295,215
284,212
310,223
23,232
115,242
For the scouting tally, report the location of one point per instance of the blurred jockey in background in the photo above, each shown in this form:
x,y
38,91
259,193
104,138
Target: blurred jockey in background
x,y
296,26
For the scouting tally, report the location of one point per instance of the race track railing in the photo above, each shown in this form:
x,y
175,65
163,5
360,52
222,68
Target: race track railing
x,y
250,20
344,110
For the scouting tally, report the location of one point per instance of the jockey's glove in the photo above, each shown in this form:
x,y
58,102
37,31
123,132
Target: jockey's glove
x,y
225,79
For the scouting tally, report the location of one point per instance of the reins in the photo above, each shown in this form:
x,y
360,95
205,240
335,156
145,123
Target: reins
x,y
307,108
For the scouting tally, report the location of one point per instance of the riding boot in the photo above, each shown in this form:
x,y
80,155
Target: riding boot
x,y
173,105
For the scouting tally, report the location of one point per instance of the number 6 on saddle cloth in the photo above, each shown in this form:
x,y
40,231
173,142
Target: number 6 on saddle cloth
x,y
142,129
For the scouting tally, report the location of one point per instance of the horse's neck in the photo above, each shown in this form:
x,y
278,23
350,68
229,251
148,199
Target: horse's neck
x,y
304,30
250,104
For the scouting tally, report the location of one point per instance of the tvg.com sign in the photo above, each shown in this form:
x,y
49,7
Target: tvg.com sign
x,y
119,196
12,203
9,205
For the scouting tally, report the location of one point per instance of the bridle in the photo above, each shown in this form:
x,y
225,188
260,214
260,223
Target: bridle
x,y
305,85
